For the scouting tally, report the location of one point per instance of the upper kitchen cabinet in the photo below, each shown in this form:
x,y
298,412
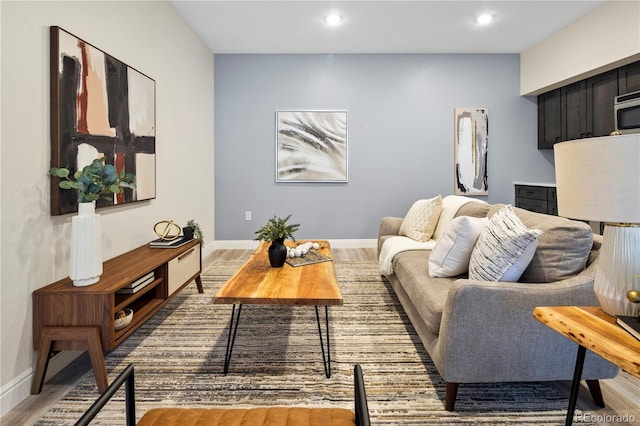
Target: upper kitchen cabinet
x,y
584,109
629,78
601,95
549,119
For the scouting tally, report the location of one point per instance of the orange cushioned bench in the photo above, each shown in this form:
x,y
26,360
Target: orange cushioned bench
x,y
272,416
259,416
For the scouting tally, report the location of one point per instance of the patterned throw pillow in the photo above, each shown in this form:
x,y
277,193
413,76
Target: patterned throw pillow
x,y
450,257
504,248
421,219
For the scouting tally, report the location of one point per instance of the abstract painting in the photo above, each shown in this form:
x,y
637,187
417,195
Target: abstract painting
x,y
311,146
471,138
100,107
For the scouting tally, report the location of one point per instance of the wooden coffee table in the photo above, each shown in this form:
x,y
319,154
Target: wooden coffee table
x,y
256,282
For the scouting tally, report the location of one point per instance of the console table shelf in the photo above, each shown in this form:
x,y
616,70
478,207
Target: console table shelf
x,y
61,309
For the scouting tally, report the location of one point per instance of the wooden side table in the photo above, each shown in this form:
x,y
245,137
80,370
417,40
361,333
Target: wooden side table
x,y
590,327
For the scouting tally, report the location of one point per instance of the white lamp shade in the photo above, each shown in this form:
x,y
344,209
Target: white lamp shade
x,y
599,178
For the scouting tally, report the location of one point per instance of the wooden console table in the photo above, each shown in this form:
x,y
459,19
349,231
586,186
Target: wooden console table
x,y
82,318
590,327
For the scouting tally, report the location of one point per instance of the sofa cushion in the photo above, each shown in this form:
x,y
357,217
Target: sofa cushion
x,y
563,248
451,204
451,254
504,249
474,210
421,219
427,294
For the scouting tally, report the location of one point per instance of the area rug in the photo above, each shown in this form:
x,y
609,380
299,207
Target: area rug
x,y
179,355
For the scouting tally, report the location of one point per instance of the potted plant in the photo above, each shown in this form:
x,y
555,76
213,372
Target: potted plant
x,y
193,230
277,230
97,180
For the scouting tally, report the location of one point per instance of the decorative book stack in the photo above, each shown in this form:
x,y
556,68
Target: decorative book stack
x,y
160,243
138,284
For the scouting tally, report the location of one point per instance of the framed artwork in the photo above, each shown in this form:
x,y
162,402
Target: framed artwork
x,y
311,146
471,138
100,107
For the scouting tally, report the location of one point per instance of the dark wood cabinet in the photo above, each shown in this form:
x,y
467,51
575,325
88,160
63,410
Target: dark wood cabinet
x,y
601,92
584,109
574,111
549,119
537,198
629,78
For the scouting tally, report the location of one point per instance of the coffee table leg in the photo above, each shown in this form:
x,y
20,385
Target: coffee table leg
x,y
325,360
232,336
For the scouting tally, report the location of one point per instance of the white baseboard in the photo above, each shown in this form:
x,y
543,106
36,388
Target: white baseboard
x,y
251,244
14,392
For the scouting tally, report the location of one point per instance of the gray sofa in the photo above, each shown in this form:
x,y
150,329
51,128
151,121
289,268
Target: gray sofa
x,y
480,331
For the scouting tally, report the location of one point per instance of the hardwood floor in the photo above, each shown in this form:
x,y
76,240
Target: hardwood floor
x,y
621,394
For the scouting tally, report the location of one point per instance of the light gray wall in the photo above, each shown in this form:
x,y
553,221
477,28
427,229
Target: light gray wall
x,y
400,135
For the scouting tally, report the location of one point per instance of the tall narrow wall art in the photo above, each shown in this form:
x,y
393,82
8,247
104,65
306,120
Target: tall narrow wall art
x,y
100,107
471,139
311,146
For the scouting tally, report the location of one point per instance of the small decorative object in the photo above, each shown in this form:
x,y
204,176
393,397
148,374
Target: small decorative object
x,y
95,181
196,231
123,318
306,254
276,230
167,230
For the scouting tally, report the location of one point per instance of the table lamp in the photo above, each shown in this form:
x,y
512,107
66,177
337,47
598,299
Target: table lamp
x,y
599,179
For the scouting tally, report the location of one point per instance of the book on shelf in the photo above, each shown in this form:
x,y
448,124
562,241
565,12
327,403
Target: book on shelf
x,y
630,324
143,278
129,289
160,243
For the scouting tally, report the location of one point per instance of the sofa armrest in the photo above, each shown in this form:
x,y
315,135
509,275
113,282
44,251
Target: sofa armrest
x,y
491,324
389,226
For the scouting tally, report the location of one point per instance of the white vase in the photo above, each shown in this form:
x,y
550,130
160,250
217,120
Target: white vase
x,y
86,246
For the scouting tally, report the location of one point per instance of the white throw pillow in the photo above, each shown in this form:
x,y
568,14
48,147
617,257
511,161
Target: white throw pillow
x,y
450,257
504,248
421,219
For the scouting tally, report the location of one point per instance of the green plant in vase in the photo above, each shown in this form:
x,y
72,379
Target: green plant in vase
x,y
97,180
277,230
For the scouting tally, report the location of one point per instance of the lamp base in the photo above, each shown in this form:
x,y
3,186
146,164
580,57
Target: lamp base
x,y
618,269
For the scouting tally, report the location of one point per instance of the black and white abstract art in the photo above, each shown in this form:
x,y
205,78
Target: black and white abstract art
x,y
311,146
471,139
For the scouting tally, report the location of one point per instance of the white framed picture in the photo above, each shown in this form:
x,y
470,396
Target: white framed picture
x,y
311,146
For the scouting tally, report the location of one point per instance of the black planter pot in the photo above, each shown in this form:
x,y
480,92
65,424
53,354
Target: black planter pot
x,y
187,231
277,253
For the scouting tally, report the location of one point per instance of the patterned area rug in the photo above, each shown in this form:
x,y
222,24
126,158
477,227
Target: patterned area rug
x,y
277,360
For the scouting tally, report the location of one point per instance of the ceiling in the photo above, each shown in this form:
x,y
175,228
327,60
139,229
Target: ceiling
x,y
395,26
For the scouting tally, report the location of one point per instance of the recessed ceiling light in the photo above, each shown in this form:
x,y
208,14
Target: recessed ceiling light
x,y
484,19
333,19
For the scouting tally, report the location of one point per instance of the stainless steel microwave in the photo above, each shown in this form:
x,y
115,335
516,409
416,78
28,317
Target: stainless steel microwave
x,y
627,113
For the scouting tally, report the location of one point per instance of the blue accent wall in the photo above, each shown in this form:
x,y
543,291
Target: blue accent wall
x,y
400,135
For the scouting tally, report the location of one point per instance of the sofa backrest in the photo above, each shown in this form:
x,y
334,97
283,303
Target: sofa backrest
x,y
563,248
